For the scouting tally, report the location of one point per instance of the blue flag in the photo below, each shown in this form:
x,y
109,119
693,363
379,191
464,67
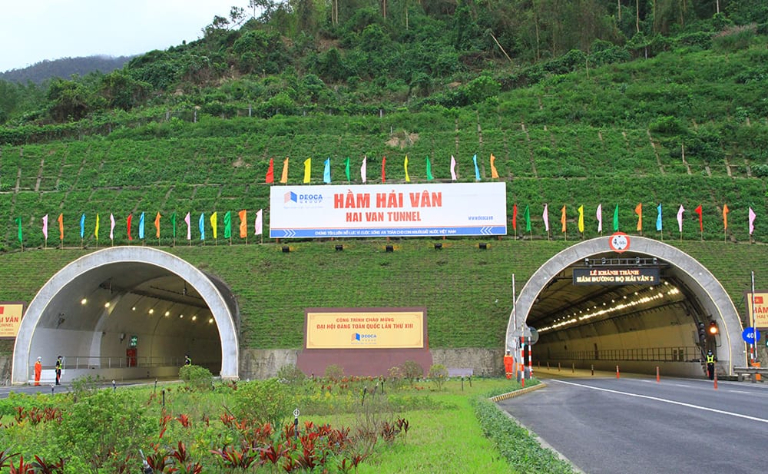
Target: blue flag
x,y
658,219
141,226
477,170
201,225
82,226
327,171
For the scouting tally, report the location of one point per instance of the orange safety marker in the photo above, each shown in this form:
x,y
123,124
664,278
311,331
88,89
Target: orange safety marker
x,y
558,366
617,371
593,369
657,374
715,379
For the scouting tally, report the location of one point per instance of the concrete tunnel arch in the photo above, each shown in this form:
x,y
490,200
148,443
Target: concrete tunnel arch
x,y
705,286
209,290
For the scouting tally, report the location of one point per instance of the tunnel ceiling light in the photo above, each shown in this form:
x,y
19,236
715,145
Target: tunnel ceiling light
x,y
194,318
151,310
167,313
210,321
83,301
133,309
106,305
181,316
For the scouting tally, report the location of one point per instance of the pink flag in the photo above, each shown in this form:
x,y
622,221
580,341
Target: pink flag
x,y
45,226
680,218
752,216
111,227
546,218
363,170
189,227
453,168
259,225
599,215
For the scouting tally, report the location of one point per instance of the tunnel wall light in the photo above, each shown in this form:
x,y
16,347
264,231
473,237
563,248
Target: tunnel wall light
x,y
389,248
286,249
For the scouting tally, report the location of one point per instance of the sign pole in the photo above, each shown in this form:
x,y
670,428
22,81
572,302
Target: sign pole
x,y
752,320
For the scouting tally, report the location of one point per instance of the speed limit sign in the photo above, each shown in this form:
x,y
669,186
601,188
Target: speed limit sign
x,y
619,242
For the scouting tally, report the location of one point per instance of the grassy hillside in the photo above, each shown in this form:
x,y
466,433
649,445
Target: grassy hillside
x,y
467,291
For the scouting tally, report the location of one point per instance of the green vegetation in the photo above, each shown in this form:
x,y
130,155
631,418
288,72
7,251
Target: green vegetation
x,y
182,429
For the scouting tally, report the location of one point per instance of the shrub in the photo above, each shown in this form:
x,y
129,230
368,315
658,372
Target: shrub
x,y
334,372
438,374
291,375
263,401
412,370
196,377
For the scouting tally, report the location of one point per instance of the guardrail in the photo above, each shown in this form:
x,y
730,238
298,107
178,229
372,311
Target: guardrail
x,y
751,371
660,354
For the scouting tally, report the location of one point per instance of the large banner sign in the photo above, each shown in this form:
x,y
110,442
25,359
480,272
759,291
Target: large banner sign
x,y
370,329
761,309
615,276
383,210
10,319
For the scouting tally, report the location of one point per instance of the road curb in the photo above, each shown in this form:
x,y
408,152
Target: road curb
x,y
517,393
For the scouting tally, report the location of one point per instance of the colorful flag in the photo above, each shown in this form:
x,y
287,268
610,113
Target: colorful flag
x,y
188,221
284,175
616,219
346,169
82,226
527,215
141,226
514,216
752,216
429,171
61,226
545,216
45,226
680,218
384,170
173,225
128,225
259,223
307,170
701,222
96,230
111,226
363,170
453,168
581,218
639,212
270,172
327,171
21,237
405,167
658,218
157,225
228,225
562,218
477,170
725,216
494,173
214,224
201,225
243,224
599,215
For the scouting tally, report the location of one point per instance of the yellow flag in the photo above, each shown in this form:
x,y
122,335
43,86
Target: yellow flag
x,y
96,232
405,165
214,221
284,176
307,169
562,218
494,173
581,218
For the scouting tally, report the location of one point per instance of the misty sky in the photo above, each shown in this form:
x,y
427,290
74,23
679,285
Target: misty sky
x,y
32,31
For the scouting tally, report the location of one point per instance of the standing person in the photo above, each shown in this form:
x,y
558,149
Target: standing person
x,y
59,364
38,370
508,364
711,359
187,360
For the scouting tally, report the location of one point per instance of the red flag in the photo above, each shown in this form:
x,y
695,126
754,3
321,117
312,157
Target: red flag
x,y
130,216
383,170
701,223
514,217
271,172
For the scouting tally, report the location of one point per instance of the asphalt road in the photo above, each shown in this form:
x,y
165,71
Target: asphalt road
x,y
637,425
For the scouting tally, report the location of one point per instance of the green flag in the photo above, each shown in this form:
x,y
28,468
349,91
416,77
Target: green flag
x,y
18,221
228,225
616,219
527,219
173,224
346,169
429,171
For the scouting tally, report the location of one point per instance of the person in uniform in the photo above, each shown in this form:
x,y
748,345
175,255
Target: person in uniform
x,y
508,365
711,359
38,370
187,360
59,364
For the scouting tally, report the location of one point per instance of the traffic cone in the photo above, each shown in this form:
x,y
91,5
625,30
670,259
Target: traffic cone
x,y
617,371
715,379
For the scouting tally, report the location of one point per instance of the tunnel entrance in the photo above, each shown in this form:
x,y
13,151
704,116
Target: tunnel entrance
x,y
638,325
127,313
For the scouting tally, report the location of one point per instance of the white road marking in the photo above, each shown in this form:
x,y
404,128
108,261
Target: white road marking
x,y
738,391
688,405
